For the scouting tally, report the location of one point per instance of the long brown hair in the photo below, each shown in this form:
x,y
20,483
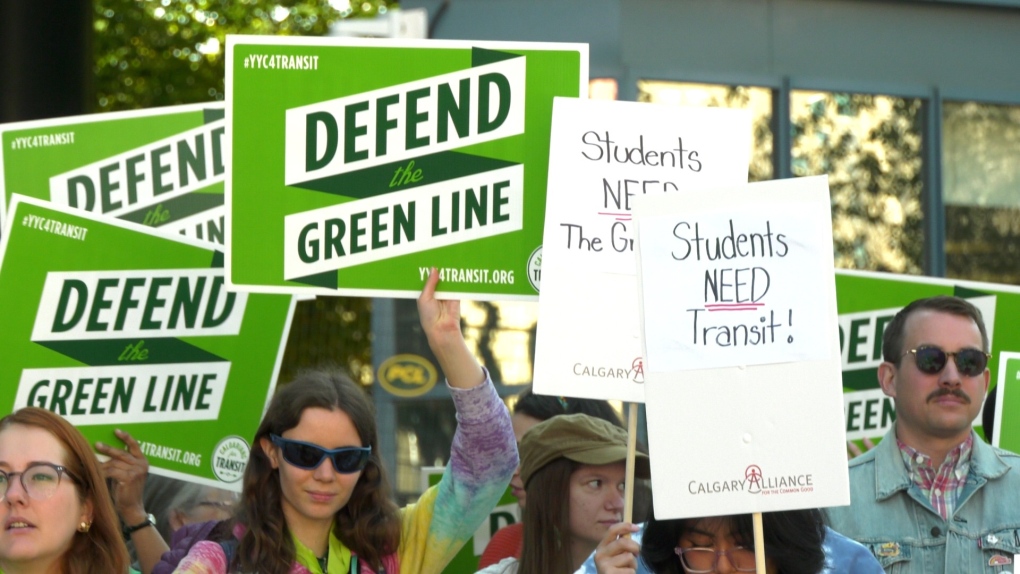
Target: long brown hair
x,y
102,548
545,547
369,524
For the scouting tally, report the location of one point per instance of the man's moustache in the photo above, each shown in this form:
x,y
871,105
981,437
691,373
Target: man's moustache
x,y
955,392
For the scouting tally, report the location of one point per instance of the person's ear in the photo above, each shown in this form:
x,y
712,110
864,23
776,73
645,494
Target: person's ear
x,y
271,451
176,519
86,512
887,378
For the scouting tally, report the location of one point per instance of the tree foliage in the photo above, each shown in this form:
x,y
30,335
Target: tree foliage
x,y
870,147
165,52
982,191
151,53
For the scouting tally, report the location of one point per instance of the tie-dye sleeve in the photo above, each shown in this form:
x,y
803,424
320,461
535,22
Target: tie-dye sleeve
x,y
204,558
483,458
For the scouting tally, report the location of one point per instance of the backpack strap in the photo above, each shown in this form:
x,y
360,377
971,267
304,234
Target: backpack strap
x,y
229,549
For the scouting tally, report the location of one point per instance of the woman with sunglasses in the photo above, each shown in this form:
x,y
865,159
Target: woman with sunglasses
x,y
315,496
56,514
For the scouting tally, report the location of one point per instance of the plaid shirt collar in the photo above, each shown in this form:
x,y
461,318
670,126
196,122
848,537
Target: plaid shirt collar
x,y
941,486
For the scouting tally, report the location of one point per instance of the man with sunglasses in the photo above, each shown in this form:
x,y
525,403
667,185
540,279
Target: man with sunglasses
x,y
933,497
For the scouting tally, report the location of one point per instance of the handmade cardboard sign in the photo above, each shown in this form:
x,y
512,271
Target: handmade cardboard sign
x,y
162,168
359,164
727,284
114,326
731,358
603,155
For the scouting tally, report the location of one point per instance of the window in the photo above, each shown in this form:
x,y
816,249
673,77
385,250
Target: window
x,y
758,100
502,336
981,191
870,146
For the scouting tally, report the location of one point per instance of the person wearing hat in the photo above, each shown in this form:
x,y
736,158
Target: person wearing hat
x,y
528,410
573,469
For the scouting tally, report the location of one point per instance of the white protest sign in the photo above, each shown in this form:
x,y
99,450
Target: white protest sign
x,y
744,414
603,155
726,286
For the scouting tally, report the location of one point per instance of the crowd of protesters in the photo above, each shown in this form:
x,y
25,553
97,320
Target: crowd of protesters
x,y
932,497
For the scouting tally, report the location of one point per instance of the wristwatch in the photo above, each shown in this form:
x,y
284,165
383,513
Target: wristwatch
x,y
150,520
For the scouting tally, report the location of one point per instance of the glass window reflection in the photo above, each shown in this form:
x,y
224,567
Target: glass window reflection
x,y
870,147
756,99
981,191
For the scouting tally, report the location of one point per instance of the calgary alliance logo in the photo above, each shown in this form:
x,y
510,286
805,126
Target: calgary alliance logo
x,y
756,482
752,477
635,373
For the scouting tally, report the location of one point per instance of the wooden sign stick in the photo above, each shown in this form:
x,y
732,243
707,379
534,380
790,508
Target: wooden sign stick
x,y
759,544
628,491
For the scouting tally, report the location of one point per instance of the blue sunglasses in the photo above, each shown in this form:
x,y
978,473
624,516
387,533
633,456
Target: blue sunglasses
x,y
308,456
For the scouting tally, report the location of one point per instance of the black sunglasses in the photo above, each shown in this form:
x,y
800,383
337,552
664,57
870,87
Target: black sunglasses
x,y
308,456
931,360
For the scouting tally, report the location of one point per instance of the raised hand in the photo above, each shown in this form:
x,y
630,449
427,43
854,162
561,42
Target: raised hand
x,y
127,469
440,319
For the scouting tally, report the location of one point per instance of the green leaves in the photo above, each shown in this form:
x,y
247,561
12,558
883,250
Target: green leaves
x,y
165,52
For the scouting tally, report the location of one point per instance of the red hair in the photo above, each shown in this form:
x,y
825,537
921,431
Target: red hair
x,y
102,548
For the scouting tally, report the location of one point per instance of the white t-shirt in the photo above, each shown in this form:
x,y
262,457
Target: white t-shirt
x,y
504,566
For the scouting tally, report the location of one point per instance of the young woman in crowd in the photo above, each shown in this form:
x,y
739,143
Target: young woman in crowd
x,y
796,542
793,544
56,514
573,469
315,496
528,410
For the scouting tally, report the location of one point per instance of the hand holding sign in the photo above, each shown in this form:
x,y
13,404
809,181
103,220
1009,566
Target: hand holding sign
x,y
441,321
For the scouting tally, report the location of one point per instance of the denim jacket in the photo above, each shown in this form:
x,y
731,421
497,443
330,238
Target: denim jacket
x,y
889,515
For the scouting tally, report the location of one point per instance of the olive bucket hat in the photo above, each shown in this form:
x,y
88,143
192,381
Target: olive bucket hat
x,y
580,438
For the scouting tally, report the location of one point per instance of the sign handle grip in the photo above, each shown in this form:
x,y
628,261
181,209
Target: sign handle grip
x,y
759,544
628,491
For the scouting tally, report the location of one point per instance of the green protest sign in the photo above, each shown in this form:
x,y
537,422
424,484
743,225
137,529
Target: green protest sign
x,y
117,327
1007,403
868,301
357,165
161,168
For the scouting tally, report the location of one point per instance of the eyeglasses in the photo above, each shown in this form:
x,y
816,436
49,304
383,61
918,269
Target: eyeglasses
x,y
40,480
346,460
705,560
931,360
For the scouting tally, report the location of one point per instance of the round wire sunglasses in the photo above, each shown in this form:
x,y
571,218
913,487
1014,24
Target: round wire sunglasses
x,y
931,360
